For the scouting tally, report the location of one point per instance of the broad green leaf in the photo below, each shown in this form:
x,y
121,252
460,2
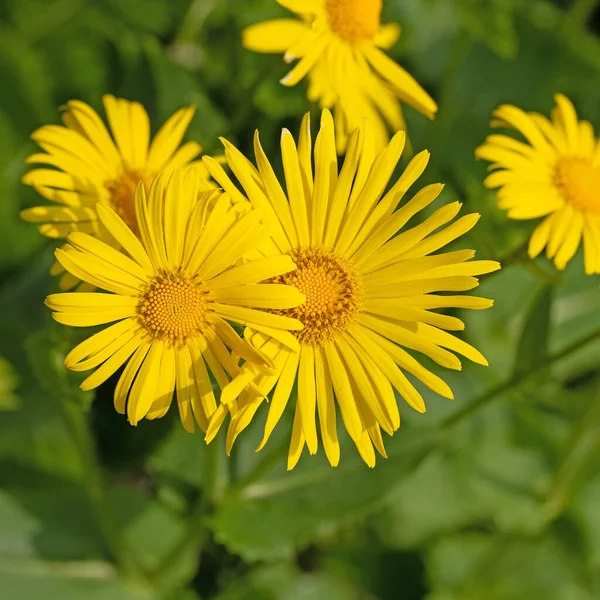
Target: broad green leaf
x,y
153,531
499,484
272,518
285,582
477,565
35,435
179,457
8,382
34,579
584,511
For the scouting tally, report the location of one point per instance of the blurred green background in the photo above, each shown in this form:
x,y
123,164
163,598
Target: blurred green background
x,y
494,496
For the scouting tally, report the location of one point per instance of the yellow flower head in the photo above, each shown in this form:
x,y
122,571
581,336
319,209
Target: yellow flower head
x,y
372,287
87,166
554,174
172,292
338,44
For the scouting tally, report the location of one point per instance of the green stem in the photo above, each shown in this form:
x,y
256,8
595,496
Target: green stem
x,y
268,461
581,11
539,272
197,521
77,423
516,379
581,449
195,535
193,20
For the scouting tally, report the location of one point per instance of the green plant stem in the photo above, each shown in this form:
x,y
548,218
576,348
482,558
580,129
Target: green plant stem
x,y
77,423
267,462
516,379
193,20
581,450
581,11
197,520
196,534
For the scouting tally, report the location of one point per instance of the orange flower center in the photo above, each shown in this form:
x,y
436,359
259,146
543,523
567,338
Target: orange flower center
x,y
333,294
122,195
580,183
354,20
172,308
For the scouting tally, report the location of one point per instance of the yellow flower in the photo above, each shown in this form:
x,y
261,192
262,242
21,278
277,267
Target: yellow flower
x,y
87,166
555,174
172,296
339,45
372,288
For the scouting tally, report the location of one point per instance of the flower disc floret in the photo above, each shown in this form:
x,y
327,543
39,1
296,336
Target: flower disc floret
x,y
333,294
172,308
122,195
579,181
354,20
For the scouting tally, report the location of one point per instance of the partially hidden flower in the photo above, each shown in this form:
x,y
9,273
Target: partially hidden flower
x,y
373,288
84,165
554,174
339,45
172,296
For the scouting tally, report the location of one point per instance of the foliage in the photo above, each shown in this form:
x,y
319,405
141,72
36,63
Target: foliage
x,y
494,495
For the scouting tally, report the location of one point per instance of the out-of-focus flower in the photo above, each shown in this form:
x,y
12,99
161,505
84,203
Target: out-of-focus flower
x,y
171,297
372,288
555,174
339,45
85,165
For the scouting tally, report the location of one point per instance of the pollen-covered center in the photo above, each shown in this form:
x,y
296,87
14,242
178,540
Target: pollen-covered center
x,y
122,195
580,183
354,20
333,294
172,308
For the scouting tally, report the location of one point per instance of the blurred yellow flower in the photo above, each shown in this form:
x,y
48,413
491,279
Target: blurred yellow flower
x,y
555,174
372,287
172,296
87,166
339,45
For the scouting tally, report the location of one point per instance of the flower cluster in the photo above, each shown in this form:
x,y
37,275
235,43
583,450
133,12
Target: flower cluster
x,y
228,288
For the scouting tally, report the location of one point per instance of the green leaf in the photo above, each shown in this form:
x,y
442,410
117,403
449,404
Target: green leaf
x,y
285,582
8,382
152,531
499,484
584,510
477,565
34,579
532,350
272,518
491,22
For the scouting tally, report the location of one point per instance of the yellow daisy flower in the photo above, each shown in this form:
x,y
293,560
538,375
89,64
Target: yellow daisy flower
x,y
172,297
87,166
554,174
372,288
339,46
